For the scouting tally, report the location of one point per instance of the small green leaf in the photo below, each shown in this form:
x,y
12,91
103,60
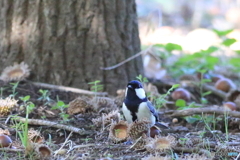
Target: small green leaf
x,y
55,107
235,62
193,105
212,60
206,93
171,46
206,80
228,42
175,86
60,103
180,103
204,100
95,82
211,49
26,98
192,119
222,33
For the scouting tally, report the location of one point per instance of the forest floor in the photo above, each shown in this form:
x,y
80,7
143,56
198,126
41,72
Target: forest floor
x,y
209,134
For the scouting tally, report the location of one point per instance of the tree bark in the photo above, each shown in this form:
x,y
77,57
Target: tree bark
x,y
65,42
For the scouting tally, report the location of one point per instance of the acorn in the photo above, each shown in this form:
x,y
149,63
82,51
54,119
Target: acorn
x,y
174,120
225,85
181,93
154,131
230,106
216,77
5,141
118,131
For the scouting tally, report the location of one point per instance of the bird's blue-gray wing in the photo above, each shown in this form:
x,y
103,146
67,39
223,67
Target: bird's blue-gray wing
x,y
152,109
154,112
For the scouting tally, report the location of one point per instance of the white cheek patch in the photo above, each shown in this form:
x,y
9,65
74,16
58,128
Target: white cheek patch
x,y
140,93
126,92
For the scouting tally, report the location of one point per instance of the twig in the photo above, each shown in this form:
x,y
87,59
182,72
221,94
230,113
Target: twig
x,y
233,143
81,146
135,142
192,150
127,60
209,110
11,150
214,90
56,152
51,124
69,89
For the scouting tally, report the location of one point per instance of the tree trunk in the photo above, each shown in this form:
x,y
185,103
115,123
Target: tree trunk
x,y
65,42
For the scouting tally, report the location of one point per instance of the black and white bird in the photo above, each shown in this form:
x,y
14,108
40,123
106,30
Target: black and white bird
x,y
136,106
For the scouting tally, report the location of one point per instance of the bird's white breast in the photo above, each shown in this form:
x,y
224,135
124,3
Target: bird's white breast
x,y
145,113
127,113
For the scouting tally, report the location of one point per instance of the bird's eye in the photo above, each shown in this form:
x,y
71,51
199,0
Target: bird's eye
x,y
129,86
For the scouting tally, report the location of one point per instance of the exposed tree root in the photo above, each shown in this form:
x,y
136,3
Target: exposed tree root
x,y
52,124
209,110
69,89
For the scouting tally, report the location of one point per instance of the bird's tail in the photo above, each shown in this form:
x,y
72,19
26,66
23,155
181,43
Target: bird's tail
x,y
161,125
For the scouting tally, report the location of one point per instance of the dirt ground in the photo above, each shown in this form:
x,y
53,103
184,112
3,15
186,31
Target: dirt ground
x,y
207,139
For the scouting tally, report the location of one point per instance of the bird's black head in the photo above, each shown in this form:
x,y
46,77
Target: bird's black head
x,y
135,90
134,84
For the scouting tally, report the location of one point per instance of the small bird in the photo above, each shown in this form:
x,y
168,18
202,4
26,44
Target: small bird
x,y
136,106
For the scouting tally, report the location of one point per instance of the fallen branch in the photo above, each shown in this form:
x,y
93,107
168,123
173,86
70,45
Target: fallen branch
x,y
209,110
69,89
192,150
51,124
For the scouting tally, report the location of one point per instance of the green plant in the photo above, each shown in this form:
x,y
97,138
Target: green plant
x,y
142,79
60,105
162,99
1,91
183,141
96,86
86,139
23,126
226,125
14,87
44,96
201,83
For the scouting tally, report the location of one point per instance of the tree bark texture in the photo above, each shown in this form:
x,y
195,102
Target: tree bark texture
x,y
65,42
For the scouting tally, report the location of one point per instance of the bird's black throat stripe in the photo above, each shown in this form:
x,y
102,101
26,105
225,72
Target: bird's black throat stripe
x,y
133,106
